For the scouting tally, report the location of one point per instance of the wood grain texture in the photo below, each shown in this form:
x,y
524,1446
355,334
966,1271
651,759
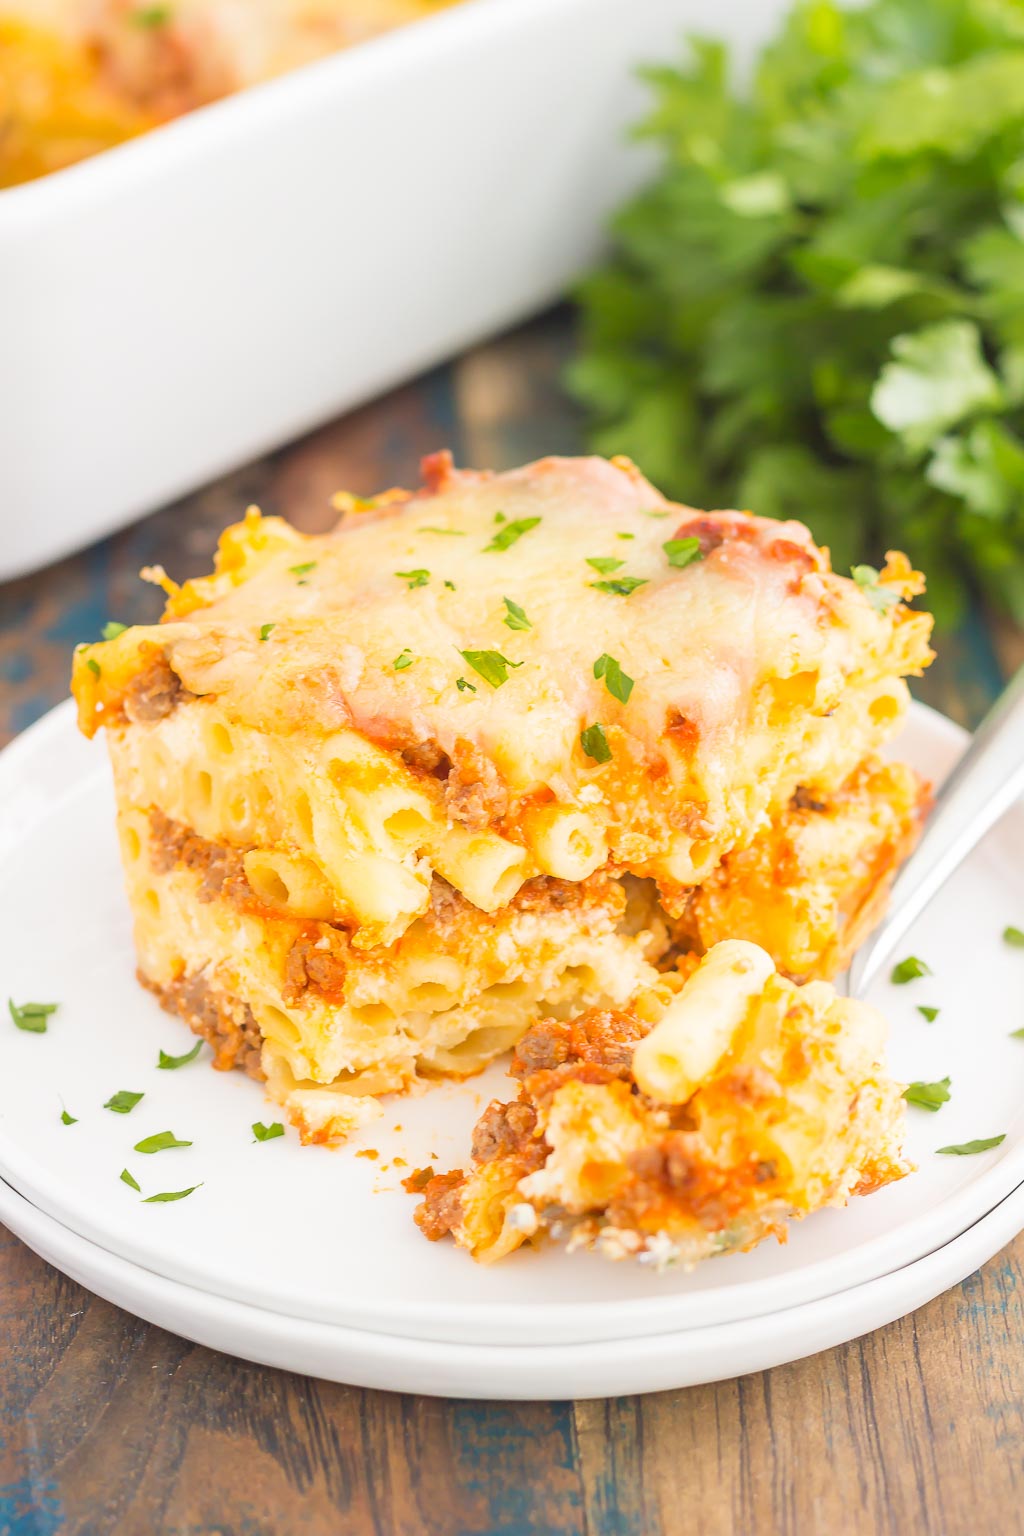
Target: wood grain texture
x,y
109,1427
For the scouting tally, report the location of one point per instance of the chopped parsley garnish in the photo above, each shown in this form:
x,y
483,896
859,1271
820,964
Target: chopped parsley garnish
x,y
31,1017
682,552
263,1132
928,1095
452,533
417,578
463,685
605,564
1013,937
615,680
881,598
625,535
152,16
595,744
908,970
163,1141
510,533
126,1178
403,660
968,1148
265,630
171,1194
1016,1034
515,618
66,1119
171,1063
622,585
93,665
492,666
303,569
931,1014
499,517
450,585
123,1102
112,629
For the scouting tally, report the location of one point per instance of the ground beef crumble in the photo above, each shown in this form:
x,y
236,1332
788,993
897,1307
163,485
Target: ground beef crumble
x,y
225,1022
441,1208
153,693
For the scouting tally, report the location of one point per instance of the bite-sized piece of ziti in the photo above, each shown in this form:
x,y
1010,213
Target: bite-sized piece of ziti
x,y
497,686
749,1101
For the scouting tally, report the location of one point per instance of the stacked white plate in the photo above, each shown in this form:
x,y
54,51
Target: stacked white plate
x,y
309,1259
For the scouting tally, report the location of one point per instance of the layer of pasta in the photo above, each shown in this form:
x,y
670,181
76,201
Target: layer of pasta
x,y
748,1102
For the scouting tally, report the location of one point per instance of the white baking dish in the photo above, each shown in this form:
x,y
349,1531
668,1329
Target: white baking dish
x,y
193,298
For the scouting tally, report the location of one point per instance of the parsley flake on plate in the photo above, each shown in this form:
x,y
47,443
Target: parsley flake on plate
x,y
303,569
66,1119
126,1178
595,744
1014,937
172,1063
511,532
615,680
622,586
908,970
881,598
416,578
31,1017
605,564
515,618
682,552
403,660
928,1095
968,1148
261,1132
123,1102
464,686
930,1014
163,1141
492,666
171,1194
112,629
266,630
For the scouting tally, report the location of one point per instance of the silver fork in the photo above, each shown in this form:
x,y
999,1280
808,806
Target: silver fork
x,y
981,788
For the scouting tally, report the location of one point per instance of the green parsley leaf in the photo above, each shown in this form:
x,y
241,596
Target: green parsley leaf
x,y
652,512
931,1014
450,585
625,535
126,1178
595,744
463,685
928,1095
682,552
968,1148
1016,1034
1013,937
492,666
881,598
417,578
123,1102
403,660
605,564
936,377
172,1063
152,16
615,680
31,1017
515,618
112,629
265,631
452,533
510,533
93,665
303,569
908,970
163,1141
499,517
622,585
263,1132
66,1119
171,1194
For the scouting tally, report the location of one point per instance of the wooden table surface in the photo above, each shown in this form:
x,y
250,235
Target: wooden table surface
x,y
109,1425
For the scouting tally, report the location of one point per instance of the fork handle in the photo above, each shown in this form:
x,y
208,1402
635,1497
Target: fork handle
x,y
981,788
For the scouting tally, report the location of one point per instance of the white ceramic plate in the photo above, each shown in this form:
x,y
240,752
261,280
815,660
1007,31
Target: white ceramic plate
x,y
554,1371
328,1235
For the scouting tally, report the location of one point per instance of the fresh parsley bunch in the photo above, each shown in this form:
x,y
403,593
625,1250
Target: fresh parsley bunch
x,y
817,307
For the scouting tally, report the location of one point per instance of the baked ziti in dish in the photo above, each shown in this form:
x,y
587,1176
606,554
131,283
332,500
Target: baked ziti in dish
x,y
690,1124
491,753
78,76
